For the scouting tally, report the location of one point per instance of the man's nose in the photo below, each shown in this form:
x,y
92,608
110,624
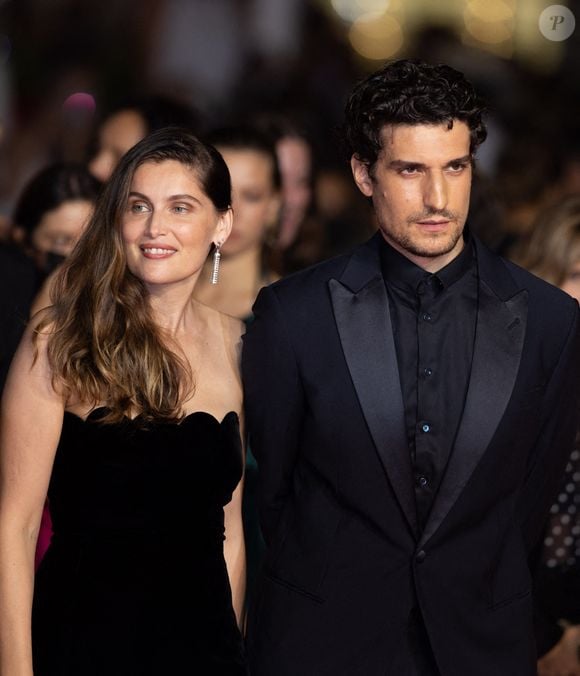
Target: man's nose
x,y
435,192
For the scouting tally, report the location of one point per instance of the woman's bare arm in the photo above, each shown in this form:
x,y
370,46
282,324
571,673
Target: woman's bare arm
x,y
235,552
30,425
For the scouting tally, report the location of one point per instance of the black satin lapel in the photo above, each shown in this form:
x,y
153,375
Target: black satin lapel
x,y
499,338
364,324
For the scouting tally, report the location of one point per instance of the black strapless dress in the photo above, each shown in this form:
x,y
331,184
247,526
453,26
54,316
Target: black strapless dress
x,y
134,582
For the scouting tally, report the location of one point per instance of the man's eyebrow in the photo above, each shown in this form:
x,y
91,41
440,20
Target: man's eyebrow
x,y
466,159
404,164
409,164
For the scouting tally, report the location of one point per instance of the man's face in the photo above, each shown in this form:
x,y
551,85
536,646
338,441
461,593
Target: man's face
x,y
420,186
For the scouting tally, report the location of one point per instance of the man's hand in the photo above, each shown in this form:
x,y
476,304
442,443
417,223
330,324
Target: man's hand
x,y
563,659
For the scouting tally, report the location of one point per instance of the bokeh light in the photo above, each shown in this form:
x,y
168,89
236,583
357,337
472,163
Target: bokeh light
x,y
80,101
490,11
79,108
491,23
351,10
376,37
488,33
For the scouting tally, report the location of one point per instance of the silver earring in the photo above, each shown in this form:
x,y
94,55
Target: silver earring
x,y
215,270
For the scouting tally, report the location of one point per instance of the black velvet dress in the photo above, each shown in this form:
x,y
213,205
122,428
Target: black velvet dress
x,y
134,582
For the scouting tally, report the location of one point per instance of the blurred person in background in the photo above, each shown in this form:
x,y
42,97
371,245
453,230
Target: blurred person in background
x,y
48,219
295,160
244,270
553,253
300,240
245,257
538,165
346,215
52,211
131,120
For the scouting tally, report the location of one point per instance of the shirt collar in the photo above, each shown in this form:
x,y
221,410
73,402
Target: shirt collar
x,y
399,271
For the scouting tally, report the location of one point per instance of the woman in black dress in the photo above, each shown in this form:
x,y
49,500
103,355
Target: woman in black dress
x,y
118,394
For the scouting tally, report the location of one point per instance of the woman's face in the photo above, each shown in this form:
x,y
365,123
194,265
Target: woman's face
x,y
255,200
59,229
169,225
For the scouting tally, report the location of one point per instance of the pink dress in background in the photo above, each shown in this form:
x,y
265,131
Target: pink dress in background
x,y
44,536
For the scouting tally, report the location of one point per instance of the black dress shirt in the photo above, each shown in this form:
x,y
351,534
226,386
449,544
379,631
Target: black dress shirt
x,y
433,317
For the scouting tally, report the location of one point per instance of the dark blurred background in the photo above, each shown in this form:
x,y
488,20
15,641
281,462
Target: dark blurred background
x,y
236,58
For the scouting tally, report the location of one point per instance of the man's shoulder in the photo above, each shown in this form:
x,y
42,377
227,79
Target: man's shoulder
x,y
311,281
551,312
541,293
508,278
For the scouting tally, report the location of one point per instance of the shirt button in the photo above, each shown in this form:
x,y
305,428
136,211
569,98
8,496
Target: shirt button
x,y
421,556
422,481
426,317
427,372
425,427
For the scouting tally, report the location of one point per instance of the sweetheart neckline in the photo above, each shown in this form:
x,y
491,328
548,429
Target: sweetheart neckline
x,y
192,414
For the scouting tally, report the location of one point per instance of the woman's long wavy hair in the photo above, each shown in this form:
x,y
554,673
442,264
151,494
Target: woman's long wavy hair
x,y
103,344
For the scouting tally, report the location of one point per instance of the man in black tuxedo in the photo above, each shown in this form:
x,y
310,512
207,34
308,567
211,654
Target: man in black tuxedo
x,y
411,407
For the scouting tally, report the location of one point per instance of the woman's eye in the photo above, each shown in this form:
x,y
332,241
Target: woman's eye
x,y
138,207
180,209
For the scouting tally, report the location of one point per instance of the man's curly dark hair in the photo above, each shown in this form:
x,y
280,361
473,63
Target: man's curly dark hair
x,y
411,92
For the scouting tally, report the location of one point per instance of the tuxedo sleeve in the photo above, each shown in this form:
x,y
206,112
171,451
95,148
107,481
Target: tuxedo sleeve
x,y
274,405
548,457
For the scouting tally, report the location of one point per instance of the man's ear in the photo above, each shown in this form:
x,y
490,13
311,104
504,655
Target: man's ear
x,y
362,177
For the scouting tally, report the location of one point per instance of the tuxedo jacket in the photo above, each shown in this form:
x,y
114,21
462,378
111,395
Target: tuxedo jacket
x,y
347,566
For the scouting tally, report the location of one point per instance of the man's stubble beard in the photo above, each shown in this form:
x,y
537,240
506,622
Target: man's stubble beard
x,y
445,244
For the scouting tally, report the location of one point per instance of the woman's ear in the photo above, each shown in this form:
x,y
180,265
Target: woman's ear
x,y
224,226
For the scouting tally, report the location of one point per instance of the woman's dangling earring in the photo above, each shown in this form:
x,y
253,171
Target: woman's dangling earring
x,y
215,270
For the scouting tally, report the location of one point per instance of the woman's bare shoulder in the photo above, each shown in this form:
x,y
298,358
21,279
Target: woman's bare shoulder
x,y
36,336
